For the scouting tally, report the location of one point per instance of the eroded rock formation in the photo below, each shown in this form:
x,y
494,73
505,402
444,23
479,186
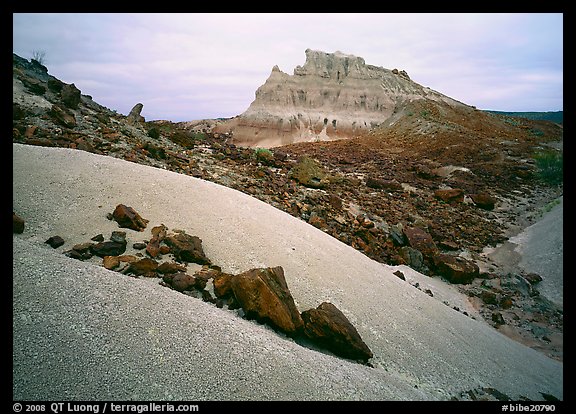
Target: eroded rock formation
x,y
334,95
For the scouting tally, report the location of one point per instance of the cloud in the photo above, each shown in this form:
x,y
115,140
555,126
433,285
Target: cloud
x,y
200,65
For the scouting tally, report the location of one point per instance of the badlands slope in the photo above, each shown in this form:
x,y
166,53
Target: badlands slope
x,y
83,332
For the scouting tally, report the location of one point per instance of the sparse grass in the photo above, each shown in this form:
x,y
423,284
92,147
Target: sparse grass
x,y
550,165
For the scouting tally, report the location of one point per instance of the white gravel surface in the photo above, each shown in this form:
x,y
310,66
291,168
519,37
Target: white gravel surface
x,y
83,332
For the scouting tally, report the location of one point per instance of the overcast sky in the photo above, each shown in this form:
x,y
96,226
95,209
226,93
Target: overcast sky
x,y
183,67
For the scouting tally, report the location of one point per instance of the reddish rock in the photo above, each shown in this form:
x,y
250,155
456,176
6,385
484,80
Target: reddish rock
x,y
55,241
421,240
263,295
111,262
180,281
62,117
143,267
107,248
456,269
222,284
170,267
450,195
483,200
378,183
17,223
187,248
328,327
127,217
158,234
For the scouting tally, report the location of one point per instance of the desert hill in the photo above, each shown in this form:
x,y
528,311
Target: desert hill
x,y
334,95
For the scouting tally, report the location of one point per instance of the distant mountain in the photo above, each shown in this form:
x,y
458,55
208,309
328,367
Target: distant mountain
x,y
552,116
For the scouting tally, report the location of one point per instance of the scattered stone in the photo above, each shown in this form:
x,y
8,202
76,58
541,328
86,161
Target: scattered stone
x,y
180,281
158,235
451,195
328,327
456,269
187,248
108,248
144,267
55,241
222,285
118,236
70,96
533,278
170,267
98,238
399,274
139,246
127,217
111,262
484,200
388,185
421,240
263,295
17,224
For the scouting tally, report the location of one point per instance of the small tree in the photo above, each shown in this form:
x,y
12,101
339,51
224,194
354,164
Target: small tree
x,y
39,56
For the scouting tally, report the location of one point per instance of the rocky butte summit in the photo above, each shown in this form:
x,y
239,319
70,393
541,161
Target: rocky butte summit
x,y
333,96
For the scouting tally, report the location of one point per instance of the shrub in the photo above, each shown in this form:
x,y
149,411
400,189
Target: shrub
x,y
550,165
154,133
264,155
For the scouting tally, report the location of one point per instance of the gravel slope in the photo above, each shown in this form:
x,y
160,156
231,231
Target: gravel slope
x,y
82,332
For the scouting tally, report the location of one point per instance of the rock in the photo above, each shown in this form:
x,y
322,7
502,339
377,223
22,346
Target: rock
x,y
139,246
450,195
17,223
127,217
111,262
413,258
399,274
388,185
533,278
170,267
421,240
222,285
55,241
328,327
143,267
62,117
489,297
310,173
484,200
187,248
180,281
158,235
456,269
134,116
118,236
263,295
70,96
98,238
108,248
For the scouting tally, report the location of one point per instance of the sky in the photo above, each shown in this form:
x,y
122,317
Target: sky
x,y
185,67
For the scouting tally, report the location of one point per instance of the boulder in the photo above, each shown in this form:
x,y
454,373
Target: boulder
x,y
70,96
421,240
310,173
456,269
187,248
484,200
328,327
134,116
127,217
263,295
380,184
180,281
143,267
450,195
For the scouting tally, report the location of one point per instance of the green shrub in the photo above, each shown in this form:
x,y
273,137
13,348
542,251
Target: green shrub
x,y
550,165
154,133
264,155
